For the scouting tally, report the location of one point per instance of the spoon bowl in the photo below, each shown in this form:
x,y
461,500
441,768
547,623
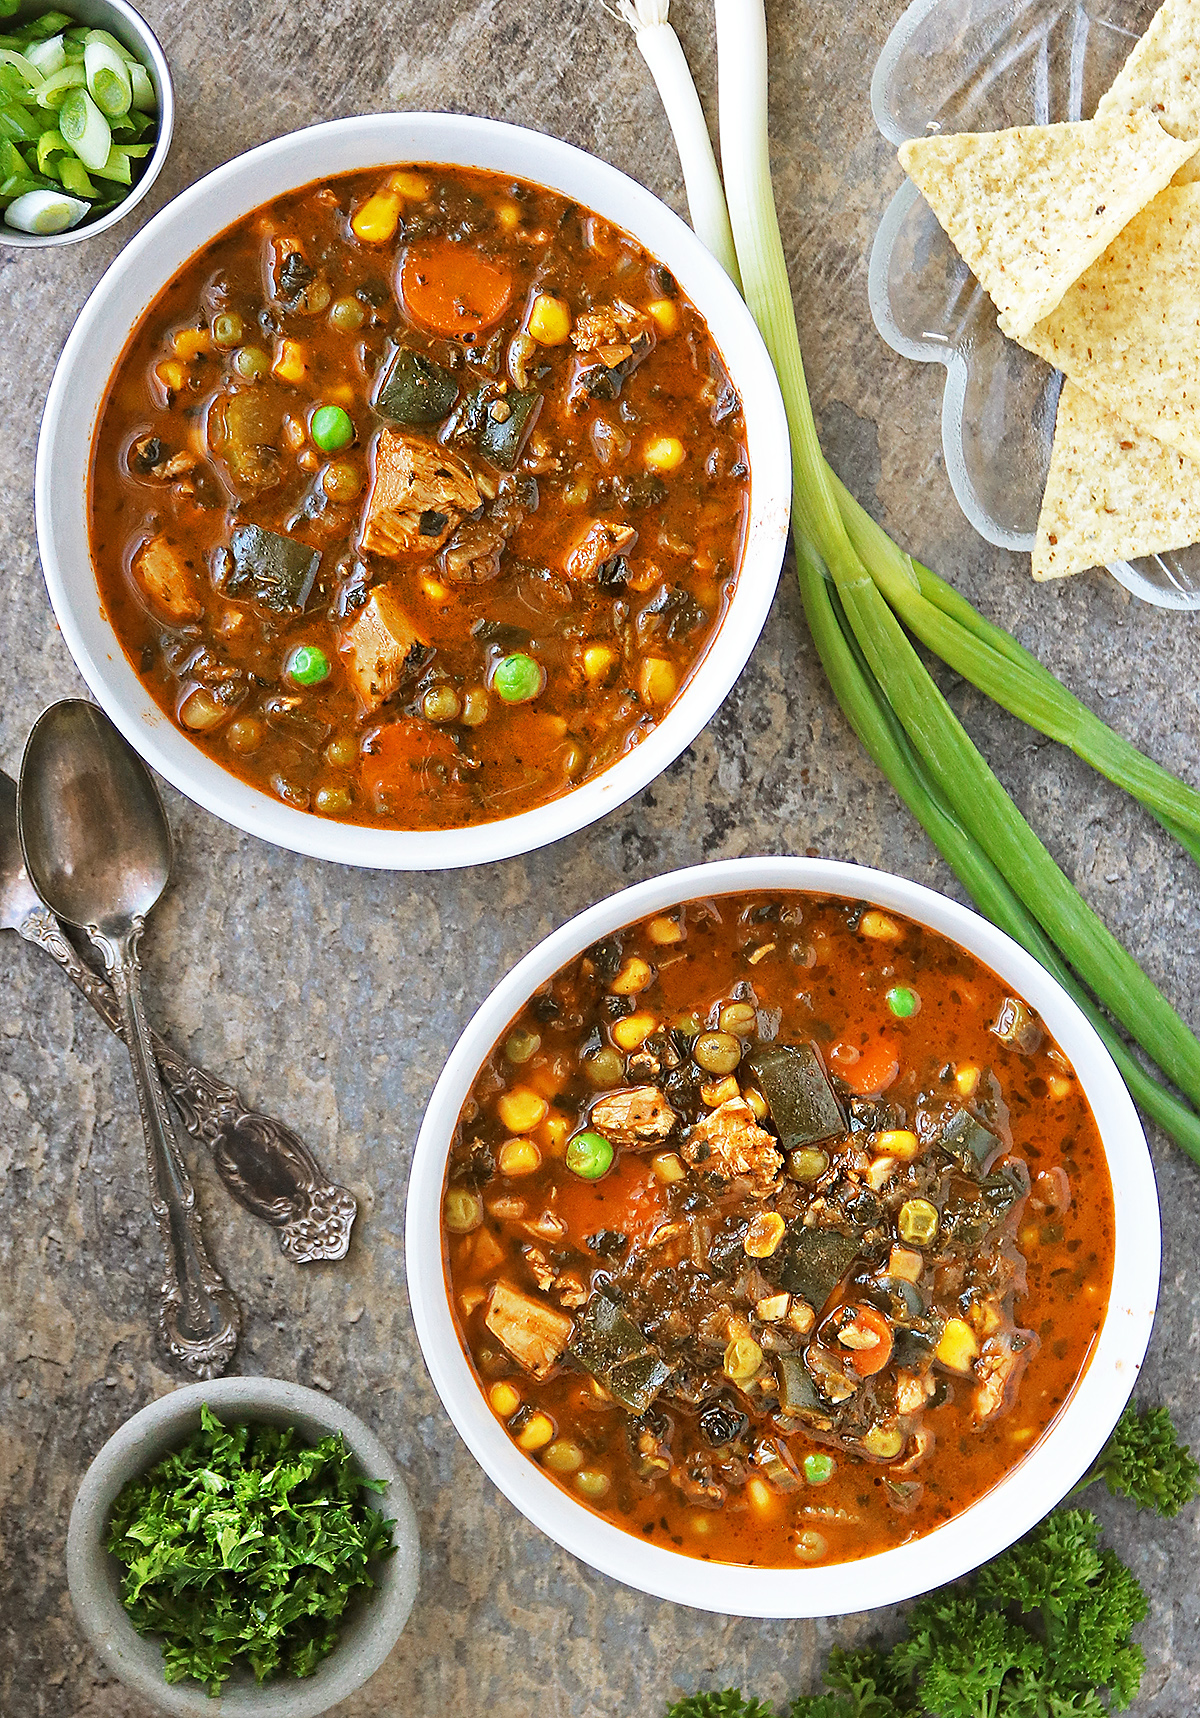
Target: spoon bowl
x,y
91,869
97,848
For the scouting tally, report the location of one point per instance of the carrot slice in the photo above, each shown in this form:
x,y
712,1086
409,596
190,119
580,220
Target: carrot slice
x,y
874,1071
868,1360
452,289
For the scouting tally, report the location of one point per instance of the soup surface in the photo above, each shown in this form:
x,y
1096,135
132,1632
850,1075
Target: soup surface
x,y
417,495
777,1229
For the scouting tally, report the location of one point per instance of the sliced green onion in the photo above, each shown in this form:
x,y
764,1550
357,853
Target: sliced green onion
x,y
142,85
108,79
85,128
48,56
49,143
116,166
74,176
45,212
22,64
56,88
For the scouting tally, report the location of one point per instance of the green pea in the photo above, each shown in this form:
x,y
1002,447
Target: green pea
x,y
347,314
330,800
342,751
605,1068
308,665
331,428
903,1001
441,704
521,1044
252,363
590,1155
807,1163
818,1469
228,328
518,677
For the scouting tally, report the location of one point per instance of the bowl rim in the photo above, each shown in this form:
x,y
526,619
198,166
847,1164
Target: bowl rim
x,y
125,21
247,182
144,1439
969,1539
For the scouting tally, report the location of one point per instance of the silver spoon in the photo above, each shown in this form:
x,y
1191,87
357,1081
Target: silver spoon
x,y
97,848
262,1162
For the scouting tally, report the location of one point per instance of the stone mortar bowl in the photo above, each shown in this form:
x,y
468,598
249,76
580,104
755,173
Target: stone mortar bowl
x,y
373,1625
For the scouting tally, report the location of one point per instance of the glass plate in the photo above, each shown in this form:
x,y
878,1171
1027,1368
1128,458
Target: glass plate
x,y
982,65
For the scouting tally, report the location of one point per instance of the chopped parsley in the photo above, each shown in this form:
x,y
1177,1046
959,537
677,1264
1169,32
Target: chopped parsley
x,y
244,1548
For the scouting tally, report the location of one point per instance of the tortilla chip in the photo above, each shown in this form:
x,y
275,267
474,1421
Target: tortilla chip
x,y
1111,493
1163,74
1128,331
1029,209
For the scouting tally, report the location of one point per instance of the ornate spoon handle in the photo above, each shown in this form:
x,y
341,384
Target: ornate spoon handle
x,y
266,1166
198,1318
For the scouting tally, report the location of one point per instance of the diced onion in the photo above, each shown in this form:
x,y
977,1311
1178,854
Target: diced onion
x,y
44,212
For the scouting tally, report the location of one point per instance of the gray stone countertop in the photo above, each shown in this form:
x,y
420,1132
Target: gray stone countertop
x,y
332,996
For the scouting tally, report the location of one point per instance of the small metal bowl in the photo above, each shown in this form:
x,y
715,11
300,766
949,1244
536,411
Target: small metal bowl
x,y
129,27
370,1628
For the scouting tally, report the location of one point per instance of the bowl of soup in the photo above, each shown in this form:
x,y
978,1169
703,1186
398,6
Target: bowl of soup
x,y
781,1238
410,475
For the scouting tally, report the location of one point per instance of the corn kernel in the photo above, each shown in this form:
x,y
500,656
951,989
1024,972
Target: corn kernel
x,y
338,394
554,1132
879,926
762,1499
758,1104
536,1433
664,931
376,220
657,681
519,1157
772,1308
549,320
715,1092
1057,1085
667,1167
880,1173
289,363
635,975
171,374
664,453
743,1360
435,590
632,1032
966,1078
898,1142
598,660
294,432
520,1109
957,1346
767,1229
409,185
189,343
984,1317
505,1399
509,217
665,312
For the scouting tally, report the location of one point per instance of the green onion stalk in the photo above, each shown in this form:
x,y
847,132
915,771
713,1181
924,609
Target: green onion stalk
x,y
858,587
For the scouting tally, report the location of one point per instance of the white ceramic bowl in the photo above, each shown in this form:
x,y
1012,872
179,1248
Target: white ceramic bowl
x,y
371,1629
989,1525
161,249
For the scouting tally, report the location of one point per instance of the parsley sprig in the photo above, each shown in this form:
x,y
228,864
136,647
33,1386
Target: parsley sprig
x,y
1042,1631
245,1547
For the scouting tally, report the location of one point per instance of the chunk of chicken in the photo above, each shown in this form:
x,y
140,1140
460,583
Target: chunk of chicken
x,y
729,1142
597,543
166,581
615,324
913,1390
419,493
533,1332
610,343
375,647
997,1370
639,1116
